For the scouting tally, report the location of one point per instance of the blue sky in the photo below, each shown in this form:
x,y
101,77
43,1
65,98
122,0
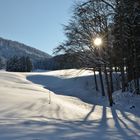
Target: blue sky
x,y
37,23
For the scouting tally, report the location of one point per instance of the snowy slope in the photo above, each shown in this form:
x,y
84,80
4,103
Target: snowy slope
x,y
28,111
9,48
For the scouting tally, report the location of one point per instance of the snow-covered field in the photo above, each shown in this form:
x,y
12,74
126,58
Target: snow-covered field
x,y
63,105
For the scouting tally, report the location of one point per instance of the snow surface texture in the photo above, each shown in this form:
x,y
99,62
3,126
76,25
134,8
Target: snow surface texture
x,y
68,108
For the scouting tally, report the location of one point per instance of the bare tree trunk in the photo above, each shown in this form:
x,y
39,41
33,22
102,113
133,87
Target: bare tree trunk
x,y
95,79
109,93
136,80
138,89
123,78
117,79
136,70
101,81
111,80
121,44
116,69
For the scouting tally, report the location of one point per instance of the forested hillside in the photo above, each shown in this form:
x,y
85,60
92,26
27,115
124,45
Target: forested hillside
x,y
9,49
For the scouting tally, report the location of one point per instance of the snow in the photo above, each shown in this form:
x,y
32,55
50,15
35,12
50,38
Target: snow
x,y
63,105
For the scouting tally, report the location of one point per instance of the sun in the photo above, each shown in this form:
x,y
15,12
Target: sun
x,y
97,41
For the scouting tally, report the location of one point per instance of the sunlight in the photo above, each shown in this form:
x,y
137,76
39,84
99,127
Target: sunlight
x,y
98,41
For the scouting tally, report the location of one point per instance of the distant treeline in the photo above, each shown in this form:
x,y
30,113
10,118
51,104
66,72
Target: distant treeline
x,y
19,64
25,64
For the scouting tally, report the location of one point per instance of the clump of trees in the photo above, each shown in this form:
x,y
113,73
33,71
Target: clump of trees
x,y
19,64
117,22
2,63
64,61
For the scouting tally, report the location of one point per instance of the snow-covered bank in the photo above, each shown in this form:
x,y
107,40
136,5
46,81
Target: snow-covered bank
x,y
30,112
81,84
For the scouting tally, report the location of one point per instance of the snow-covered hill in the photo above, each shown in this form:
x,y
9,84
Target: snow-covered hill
x,y
10,48
66,109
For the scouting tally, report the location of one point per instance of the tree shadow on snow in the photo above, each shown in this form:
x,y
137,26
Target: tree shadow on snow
x,y
56,129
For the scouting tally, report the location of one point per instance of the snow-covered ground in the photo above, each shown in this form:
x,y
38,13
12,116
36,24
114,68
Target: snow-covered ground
x,y
63,105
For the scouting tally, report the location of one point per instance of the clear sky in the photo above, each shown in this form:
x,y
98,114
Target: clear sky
x,y
37,23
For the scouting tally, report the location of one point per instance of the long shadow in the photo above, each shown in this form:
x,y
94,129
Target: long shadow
x,y
134,123
103,126
123,128
118,126
56,129
103,121
88,115
42,130
104,117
